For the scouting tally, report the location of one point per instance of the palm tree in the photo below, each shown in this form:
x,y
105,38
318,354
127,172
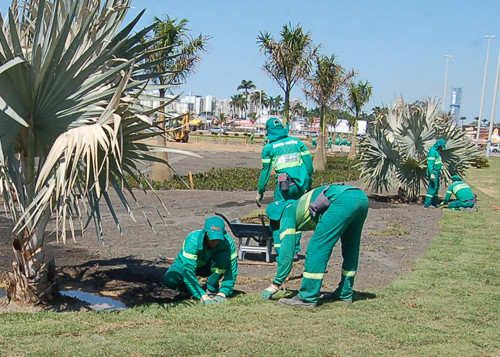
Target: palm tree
x,y
71,125
287,60
239,102
359,94
245,86
259,99
326,87
175,55
394,153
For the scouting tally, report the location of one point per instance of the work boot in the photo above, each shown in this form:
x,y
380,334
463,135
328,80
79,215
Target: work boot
x,y
431,206
332,297
296,301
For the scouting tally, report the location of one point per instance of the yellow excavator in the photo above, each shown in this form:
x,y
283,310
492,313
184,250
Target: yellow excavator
x,y
179,128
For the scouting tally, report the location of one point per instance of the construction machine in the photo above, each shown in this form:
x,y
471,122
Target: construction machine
x,y
179,128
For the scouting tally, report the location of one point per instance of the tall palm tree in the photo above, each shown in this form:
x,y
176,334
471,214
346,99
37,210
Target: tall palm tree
x,y
359,94
245,86
326,87
175,55
71,125
287,60
239,103
259,98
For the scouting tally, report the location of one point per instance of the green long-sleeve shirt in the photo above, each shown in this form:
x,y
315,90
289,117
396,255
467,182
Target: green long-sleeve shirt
x,y
287,155
296,217
194,254
461,190
434,161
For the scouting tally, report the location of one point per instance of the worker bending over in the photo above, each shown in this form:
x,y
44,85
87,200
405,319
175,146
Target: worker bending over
x,y
292,162
211,253
434,164
334,212
465,197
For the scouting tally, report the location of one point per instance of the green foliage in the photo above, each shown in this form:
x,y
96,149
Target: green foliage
x,y
339,169
394,153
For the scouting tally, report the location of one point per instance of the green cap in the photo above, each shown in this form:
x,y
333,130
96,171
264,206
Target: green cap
x,y
442,143
274,210
215,227
456,178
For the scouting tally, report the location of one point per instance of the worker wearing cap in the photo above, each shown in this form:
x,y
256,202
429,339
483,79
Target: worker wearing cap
x,y
434,164
459,188
206,252
292,162
334,212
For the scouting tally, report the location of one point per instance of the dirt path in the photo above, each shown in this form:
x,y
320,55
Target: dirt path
x,y
131,266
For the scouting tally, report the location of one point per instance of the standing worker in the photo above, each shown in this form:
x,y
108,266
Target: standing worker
x,y
434,164
314,142
329,144
208,252
292,162
465,197
334,212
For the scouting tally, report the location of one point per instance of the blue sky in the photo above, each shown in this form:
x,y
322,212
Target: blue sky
x,y
398,46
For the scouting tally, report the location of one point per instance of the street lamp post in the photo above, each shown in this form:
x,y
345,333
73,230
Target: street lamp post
x,y
490,132
446,78
489,37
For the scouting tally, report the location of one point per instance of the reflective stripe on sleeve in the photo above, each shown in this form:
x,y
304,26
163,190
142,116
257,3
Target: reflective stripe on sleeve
x,y
234,255
427,195
266,161
304,153
189,255
315,276
348,272
218,271
431,158
287,232
277,245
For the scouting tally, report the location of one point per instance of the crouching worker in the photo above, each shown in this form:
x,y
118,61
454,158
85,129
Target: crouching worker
x,y
465,198
211,253
334,212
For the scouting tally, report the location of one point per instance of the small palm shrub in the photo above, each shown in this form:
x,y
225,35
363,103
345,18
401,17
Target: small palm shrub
x,y
394,153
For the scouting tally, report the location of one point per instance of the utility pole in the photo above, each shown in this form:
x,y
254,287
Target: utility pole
x,y
446,78
490,132
489,37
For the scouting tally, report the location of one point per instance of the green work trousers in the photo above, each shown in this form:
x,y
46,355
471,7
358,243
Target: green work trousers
x,y
174,280
343,220
457,204
293,193
431,198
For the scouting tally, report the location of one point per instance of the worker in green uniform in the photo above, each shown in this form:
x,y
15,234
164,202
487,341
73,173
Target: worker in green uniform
x,y
465,197
208,252
334,212
314,142
292,162
337,140
343,141
329,144
434,164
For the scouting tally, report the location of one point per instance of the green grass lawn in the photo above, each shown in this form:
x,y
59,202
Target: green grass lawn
x,y
449,305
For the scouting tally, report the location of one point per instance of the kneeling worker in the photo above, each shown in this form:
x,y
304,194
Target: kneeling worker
x,y
208,252
334,212
465,197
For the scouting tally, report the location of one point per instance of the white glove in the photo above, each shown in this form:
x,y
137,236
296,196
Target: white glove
x,y
433,176
259,197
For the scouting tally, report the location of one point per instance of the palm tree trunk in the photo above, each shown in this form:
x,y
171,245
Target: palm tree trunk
x,y
33,279
319,162
161,172
352,152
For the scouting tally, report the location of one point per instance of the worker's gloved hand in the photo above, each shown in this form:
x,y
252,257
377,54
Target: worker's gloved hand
x,y
269,291
206,300
259,197
219,298
433,176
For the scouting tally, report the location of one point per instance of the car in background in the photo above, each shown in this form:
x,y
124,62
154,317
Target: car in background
x,y
312,134
495,148
216,130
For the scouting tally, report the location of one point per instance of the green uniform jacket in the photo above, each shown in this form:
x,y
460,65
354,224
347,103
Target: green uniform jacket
x,y
434,162
193,255
288,155
296,217
461,190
